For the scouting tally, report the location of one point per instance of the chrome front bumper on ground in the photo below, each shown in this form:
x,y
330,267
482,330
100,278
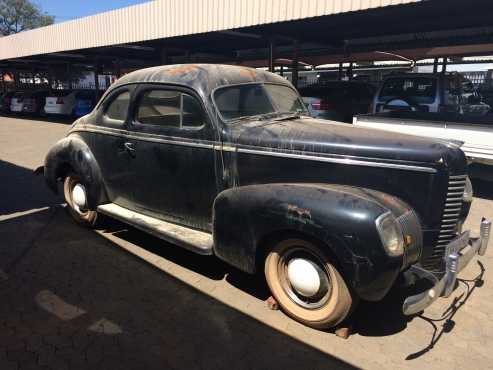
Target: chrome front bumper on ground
x,y
460,251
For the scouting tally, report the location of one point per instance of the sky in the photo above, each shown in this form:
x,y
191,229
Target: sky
x,y
65,10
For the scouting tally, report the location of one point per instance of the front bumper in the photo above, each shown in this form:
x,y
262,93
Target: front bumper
x,y
460,252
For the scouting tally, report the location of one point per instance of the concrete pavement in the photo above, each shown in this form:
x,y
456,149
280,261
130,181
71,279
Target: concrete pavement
x,y
120,299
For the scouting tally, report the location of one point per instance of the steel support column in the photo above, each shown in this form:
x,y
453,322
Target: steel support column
x,y
435,65
444,65
70,79
97,69
294,68
272,47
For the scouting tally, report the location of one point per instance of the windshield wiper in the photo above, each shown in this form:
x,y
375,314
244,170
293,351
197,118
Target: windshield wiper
x,y
283,116
242,118
277,116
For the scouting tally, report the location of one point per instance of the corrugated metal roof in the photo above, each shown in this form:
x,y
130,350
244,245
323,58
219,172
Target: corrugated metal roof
x,y
168,18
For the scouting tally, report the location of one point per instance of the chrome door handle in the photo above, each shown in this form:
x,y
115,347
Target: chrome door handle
x,y
129,146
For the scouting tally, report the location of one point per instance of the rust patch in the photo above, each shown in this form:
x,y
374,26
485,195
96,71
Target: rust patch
x,y
299,212
183,69
248,72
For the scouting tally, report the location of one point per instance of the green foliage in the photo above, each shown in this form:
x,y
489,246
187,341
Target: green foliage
x,y
20,15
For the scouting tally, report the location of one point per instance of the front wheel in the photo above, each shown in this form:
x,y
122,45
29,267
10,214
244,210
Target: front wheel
x,y
306,284
76,197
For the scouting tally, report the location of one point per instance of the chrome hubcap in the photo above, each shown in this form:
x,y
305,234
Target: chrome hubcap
x,y
304,278
79,198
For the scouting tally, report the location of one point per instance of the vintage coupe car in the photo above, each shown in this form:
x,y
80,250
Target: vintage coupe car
x,y
224,160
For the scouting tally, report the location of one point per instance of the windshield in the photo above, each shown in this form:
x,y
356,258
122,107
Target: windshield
x,y
422,90
244,101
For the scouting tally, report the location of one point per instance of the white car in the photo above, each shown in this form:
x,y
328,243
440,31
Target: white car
x,y
61,102
17,102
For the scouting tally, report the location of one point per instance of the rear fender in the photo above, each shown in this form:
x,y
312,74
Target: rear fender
x,y
71,154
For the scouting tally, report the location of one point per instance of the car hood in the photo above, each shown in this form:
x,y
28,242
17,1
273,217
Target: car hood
x,y
309,135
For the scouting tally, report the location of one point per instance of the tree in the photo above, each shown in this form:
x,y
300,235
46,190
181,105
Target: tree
x,y
20,15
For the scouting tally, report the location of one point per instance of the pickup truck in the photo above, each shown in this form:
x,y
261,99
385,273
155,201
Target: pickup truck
x,y
442,106
225,161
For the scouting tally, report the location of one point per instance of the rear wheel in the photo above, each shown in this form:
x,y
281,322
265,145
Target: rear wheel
x,y
76,197
306,284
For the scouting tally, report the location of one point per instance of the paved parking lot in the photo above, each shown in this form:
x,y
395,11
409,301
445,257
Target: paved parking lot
x,y
116,298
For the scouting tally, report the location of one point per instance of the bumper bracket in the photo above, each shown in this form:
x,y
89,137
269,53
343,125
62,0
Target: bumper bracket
x,y
460,252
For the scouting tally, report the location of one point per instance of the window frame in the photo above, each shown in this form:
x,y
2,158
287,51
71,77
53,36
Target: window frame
x,y
108,100
231,121
144,88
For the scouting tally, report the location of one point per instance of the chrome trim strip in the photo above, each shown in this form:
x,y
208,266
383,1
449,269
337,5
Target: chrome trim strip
x,y
145,137
338,160
231,148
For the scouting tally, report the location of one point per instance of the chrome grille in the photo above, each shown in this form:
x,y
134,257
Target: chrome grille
x,y
450,218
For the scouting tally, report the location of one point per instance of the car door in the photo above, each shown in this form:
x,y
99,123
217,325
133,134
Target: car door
x,y
111,148
175,160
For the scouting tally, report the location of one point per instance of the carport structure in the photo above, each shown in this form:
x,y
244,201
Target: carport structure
x,y
258,33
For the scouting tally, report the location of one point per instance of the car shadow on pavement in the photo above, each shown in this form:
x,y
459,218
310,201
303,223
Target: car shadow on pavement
x,y
209,266
483,189
446,319
22,191
385,318
70,299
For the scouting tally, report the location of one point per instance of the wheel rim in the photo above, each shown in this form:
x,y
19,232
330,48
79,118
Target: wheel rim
x,y
304,278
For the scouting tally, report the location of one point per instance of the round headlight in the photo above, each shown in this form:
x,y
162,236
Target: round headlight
x,y
468,191
391,234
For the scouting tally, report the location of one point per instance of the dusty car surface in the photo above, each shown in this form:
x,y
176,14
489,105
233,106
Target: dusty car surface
x,y
224,160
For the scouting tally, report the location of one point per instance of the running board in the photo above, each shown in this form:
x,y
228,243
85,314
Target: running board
x,y
193,240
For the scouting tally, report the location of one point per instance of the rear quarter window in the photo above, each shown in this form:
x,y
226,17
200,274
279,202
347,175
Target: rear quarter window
x,y
117,109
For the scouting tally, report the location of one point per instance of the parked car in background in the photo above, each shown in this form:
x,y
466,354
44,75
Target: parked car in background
x,y
17,102
429,92
70,102
225,160
85,102
5,100
60,102
442,106
33,101
338,100
28,101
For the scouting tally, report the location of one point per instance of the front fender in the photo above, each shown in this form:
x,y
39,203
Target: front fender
x,y
341,217
71,154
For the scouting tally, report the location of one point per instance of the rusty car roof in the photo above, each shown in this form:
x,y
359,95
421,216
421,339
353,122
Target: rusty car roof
x,y
203,78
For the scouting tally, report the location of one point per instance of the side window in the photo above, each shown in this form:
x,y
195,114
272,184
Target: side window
x,y
167,108
118,108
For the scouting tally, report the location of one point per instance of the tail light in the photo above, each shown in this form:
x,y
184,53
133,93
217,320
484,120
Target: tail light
x,y
322,105
60,101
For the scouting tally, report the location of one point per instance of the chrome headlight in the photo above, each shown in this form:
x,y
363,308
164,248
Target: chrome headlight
x,y
391,234
468,191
